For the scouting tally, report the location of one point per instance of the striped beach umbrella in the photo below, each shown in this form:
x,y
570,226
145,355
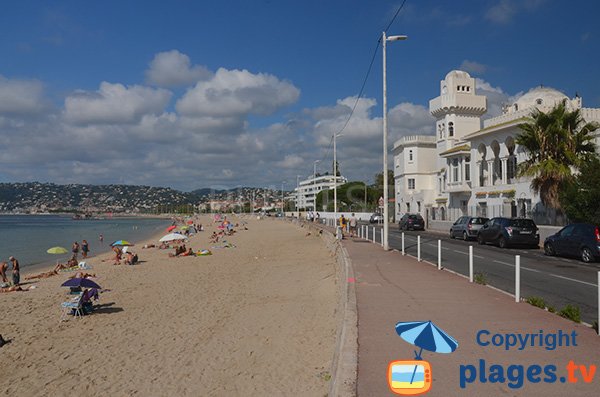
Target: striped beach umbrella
x,y
426,335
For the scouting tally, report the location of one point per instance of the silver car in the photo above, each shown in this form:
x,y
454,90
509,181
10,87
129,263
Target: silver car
x,y
467,227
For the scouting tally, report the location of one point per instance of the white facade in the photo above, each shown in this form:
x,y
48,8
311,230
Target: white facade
x,y
472,170
306,192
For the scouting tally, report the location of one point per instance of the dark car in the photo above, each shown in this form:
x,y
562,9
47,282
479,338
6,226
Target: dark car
x,y
579,239
412,221
467,227
376,218
506,231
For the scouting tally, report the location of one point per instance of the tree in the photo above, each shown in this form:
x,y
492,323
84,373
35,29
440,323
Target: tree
x,y
580,198
556,143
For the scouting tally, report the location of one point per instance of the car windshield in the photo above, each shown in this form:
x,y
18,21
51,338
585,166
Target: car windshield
x,y
414,216
478,221
523,223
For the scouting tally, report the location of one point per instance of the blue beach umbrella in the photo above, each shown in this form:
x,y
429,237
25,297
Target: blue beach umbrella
x,y
426,335
121,243
80,282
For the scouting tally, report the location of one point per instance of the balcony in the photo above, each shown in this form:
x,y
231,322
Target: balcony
x,y
458,187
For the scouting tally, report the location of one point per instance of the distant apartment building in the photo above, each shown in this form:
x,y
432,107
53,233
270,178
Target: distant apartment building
x,y
306,193
470,168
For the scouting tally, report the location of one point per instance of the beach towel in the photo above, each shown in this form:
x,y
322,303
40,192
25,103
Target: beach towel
x,y
203,253
84,266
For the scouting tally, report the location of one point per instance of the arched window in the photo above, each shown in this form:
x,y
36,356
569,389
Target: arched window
x,y
410,155
451,129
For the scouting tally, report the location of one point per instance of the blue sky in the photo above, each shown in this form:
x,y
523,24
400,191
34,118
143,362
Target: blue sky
x,y
193,94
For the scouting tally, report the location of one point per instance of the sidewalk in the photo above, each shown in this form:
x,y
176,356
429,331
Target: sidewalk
x,y
392,288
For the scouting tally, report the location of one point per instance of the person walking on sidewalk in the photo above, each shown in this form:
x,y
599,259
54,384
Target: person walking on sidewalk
x,y
352,225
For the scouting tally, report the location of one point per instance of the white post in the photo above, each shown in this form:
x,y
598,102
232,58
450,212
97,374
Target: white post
x,y
373,233
598,303
403,252
470,263
439,254
517,278
382,243
419,248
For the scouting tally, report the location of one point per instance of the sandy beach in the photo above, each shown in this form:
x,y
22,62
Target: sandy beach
x,y
257,319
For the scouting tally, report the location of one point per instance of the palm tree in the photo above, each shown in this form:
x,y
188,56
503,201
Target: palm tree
x,y
557,143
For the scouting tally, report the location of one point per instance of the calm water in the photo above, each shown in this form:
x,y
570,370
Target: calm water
x,y
27,237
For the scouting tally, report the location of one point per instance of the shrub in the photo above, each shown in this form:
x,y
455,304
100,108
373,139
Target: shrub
x,y
571,312
480,278
536,301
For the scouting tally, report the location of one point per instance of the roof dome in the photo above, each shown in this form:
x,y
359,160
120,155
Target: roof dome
x,y
544,96
457,73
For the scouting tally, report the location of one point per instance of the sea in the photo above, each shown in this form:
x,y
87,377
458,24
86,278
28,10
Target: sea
x,y
28,237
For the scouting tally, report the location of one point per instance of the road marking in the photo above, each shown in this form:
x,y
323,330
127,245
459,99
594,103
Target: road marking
x,y
572,279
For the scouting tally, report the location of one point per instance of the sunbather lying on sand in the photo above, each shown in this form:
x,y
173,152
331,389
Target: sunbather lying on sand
x,y
82,275
43,275
11,289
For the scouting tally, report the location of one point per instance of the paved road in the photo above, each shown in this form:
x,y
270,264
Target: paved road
x,y
560,281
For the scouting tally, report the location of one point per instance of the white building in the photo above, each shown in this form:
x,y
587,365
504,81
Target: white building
x,y
306,192
466,169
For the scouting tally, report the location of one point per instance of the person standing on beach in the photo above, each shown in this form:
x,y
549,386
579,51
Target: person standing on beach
x,y
16,275
101,238
3,269
75,249
85,248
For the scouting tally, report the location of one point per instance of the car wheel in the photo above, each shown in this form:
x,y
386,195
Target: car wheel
x,y
465,236
586,255
502,242
451,234
480,240
549,249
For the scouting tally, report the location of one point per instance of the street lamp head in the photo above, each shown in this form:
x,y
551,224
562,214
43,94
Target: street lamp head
x,y
396,38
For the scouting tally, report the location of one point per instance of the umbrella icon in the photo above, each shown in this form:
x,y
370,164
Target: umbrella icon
x,y
426,335
80,282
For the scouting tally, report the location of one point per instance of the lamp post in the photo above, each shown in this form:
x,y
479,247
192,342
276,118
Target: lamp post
x,y
315,184
298,194
282,183
335,176
386,220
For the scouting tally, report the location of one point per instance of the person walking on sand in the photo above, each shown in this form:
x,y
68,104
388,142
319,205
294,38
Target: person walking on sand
x,y
85,248
16,274
101,238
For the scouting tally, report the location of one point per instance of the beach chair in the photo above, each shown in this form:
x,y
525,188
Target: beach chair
x,y
75,305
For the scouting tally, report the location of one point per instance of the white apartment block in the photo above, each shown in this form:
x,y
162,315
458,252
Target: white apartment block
x,y
306,192
468,168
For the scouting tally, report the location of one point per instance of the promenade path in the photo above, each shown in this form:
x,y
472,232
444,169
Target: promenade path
x,y
391,287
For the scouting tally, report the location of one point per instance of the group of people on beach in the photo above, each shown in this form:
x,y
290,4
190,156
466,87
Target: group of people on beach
x,y
16,273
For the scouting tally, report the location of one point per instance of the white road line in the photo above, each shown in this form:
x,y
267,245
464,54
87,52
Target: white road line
x,y
460,252
572,279
504,263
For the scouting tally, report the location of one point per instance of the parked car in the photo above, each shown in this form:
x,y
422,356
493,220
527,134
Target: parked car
x,y
506,231
412,221
376,218
579,240
467,227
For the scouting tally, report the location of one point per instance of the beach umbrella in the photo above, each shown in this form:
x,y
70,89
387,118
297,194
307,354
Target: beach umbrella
x,y
80,282
57,250
426,335
190,222
171,228
172,237
184,227
121,243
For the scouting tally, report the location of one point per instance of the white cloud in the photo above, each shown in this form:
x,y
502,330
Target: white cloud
x,y
472,67
237,92
172,69
20,97
504,11
114,103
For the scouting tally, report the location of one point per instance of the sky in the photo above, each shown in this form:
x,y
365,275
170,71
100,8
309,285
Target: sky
x,y
207,94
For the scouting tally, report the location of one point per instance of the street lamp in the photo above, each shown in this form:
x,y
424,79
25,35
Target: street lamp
x,y
335,176
386,220
315,184
282,183
298,194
